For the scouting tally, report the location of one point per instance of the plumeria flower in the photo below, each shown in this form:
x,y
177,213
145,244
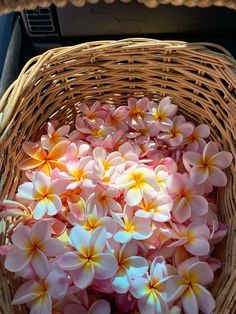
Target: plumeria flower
x,y
195,142
106,198
141,131
95,218
40,292
150,291
118,117
79,173
45,192
113,141
194,237
188,285
157,208
178,132
161,115
137,107
188,200
89,261
94,114
130,266
131,227
33,246
77,150
208,165
42,160
129,154
137,181
54,136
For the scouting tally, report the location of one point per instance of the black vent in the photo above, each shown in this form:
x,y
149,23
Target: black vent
x,y
40,22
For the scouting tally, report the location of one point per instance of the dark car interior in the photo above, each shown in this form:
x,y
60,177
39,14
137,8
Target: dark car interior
x,y
29,33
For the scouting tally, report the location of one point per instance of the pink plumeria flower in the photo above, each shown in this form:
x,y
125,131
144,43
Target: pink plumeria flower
x,y
131,227
54,136
45,192
130,266
80,173
105,162
141,131
118,117
161,115
40,292
149,290
137,181
137,108
188,199
178,132
106,198
95,218
157,208
89,261
208,165
77,150
162,175
195,142
195,237
129,154
98,307
94,114
33,246
113,141
188,285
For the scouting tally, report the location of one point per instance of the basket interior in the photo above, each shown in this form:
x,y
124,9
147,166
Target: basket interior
x,y
200,81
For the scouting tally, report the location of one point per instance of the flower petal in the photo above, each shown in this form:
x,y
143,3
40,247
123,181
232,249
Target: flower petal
x,y
133,196
174,287
199,174
217,177
200,273
79,238
124,182
136,266
199,205
40,209
83,276
147,304
189,302
121,282
70,261
139,287
177,140
198,246
123,236
222,160
58,150
98,241
182,269
27,292
40,231
202,130
181,210
17,259
42,305
57,284
26,190
21,237
205,300
210,150
40,264
192,158
105,265
52,247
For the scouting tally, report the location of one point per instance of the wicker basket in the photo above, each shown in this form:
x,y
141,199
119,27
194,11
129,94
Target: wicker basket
x,y
201,79
19,5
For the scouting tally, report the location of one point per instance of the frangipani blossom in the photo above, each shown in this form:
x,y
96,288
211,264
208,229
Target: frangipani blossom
x,y
161,114
178,132
194,237
42,160
93,114
54,136
208,165
195,142
45,192
129,154
117,118
188,285
130,266
33,245
132,227
39,293
150,290
141,131
106,198
157,208
188,200
137,107
89,261
136,182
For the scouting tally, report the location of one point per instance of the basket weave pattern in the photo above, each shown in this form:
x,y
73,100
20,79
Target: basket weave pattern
x,y
19,5
201,79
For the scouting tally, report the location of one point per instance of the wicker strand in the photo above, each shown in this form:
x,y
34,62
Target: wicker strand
x,y
7,6
200,78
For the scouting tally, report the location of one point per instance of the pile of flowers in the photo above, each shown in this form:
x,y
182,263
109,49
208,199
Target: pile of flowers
x,y
117,215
